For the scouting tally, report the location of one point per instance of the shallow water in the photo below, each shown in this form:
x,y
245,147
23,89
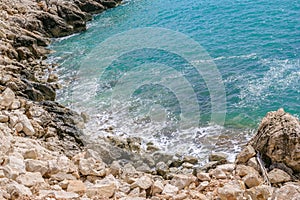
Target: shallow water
x,y
198,80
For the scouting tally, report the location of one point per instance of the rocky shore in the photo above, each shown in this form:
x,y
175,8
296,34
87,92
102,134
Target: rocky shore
x,y
42,155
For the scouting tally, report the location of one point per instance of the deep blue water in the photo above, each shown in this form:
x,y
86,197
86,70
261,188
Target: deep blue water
x,y
153,82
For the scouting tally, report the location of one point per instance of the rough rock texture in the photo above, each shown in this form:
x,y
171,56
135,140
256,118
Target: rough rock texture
x,y
278,140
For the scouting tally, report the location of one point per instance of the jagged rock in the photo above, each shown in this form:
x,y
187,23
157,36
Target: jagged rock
x,y
278,176
17,190
243,170
157,187
261,192
144,182
30,154
36,166
60,195
162,168
288,191
278,139
15,166
218,174
252,180
170,190
218,156
30,179
226,167
202,176
231,191
27,126
181,181
76,186
7,97
190,159
4,118
247,153
91,167
104,188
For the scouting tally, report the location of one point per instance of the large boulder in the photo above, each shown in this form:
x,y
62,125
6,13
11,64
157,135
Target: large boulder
x,y
278,140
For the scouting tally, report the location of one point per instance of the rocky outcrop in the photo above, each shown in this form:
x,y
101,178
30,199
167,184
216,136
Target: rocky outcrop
x,y
278,141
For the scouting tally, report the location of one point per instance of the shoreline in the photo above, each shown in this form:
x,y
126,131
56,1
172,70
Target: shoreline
x,y
43,156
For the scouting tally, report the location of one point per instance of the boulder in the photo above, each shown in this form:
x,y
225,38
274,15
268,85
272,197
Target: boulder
x,y
278,176
202,176
18,190
288,191
157,187
7,97
144,182
262,192
36,166
252,180
278,139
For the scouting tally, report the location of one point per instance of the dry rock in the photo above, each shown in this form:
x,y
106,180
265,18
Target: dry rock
x,y
259,192
278,139
36,166
157,187
76,186
18,190
181,181
143,182
247,153
288,191
103,188
202,176
278,176
30,179
231,191
252,180
170,190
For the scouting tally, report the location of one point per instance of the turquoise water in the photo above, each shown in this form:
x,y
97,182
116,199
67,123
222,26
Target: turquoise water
x,y
254,45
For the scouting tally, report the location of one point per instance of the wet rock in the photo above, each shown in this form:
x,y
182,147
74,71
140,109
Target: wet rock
x,y
278,139
247,153
278,176
217,156
162,168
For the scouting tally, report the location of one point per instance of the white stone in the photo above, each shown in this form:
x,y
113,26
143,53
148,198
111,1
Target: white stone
x,y
104,188
181,180
18,190
7,97
36,166
143,182
157,187
30,179
170,190
27,126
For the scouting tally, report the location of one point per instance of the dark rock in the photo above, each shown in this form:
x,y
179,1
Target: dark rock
x,y
90,6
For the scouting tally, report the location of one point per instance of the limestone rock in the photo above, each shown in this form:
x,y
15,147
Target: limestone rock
x,y
181,181
278,176
170,190
104,188
247,153
217,156
278,139
230,191
30,179
218,174
36,166
76,186
243,170
91,167
259,192
157,187
7,97
60,195
18,190
252,180
202,176
288,191
143,182
27,126
162,168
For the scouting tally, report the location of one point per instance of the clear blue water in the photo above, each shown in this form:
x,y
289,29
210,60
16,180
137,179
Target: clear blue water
x,y
254,45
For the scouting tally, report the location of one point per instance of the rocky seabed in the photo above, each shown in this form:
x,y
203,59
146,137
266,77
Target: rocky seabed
x,y
42,155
